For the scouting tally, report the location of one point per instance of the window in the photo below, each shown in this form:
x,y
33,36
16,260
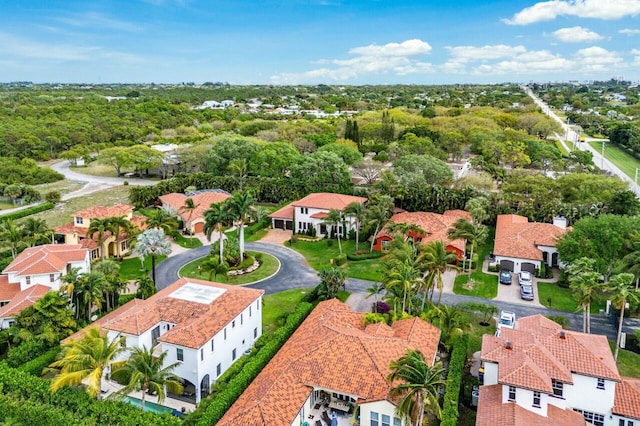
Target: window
x,y
202,354
52,278
218,370
78,220
384,245
621,422
258,304
374,419
593,418
249,310
180,354
600,384
123,246
536,399
225,334
212,345
241,319
558,388
512,393
397,422
233,324
233,355
386,420
255,333
28,280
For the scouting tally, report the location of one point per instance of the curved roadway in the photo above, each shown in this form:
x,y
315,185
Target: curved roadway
x,y
63,168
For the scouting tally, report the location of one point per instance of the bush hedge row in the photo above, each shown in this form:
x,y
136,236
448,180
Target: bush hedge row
x,y
26,351
210,413
28,211
22,389
365,256
454,380
37,365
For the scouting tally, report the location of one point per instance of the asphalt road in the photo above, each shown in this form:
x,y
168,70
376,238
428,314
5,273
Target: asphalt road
x,y
63,168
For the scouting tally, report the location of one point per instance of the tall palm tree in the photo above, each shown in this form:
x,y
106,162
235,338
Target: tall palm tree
x,y
100,227
417,385
70,280
214,268
334,219
84,361
375,290
375,217
217,216
450,321
620,290
356,210
584,282
404,276
435,259
89,292
239,168
152,242
121,224
162,219
113,285
189,207
36,231
474,234
12,234
240,204
144,370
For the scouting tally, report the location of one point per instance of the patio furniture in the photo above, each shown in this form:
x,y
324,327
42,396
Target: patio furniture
x,y
326,418
339,405
318,423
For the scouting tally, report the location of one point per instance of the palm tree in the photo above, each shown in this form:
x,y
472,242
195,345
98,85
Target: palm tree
x,y
146,287
113,285
375,290
162,219
417,385
89,292
217,216
36,231
584,282
214,268
356,211
334,218
450,321
120,224
100,227
406,277
331,280
375,217
152,242
84,361
189,207
70,280
239,168
621,293
11,234
475,234
145,371
435,258
240,204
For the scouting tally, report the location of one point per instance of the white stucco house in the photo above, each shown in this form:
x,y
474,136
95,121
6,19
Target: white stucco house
x,y
540,374
333,363
521,245
34,272
311,212
204,326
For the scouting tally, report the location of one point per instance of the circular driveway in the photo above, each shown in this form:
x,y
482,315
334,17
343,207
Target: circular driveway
x,y
294,271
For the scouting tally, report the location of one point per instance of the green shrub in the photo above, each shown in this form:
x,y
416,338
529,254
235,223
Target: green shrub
x,y
340,260
329,242
53,197
125,298
364,256
26,351
454,379
28,211
37,365
372,318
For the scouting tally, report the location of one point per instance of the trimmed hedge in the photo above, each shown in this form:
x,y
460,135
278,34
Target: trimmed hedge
x,y
340,260
365,256
37,365
454,379
26,351
213,409
28,211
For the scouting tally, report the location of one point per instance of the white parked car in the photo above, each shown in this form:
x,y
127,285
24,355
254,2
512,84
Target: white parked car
x,y
507,320
525,278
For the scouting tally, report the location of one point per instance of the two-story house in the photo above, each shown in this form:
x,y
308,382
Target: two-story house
x,y
311,212
193,221
76,232
204,326
333,363
33,273
540,374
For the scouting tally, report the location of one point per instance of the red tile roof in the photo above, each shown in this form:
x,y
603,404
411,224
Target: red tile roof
x,y
102,212
195,323
285,212
517,237
435,225
492,412
319,200
202,199
23,299
46,259
332,350
7,289
627,399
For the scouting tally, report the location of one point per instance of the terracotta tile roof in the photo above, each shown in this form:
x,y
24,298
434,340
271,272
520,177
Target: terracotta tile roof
x,y
23,299
46,259
285,212
320,215
540,352
328,200
436,225
70,228
202,199
7,289
332,336
102,212
517,237
627,399
492,412
195,323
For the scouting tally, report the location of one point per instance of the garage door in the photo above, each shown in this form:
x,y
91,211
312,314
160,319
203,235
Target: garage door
x,y
278,224
289,225
198,227
506,264
529,267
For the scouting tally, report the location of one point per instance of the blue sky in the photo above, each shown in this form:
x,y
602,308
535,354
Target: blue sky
x,y
318,41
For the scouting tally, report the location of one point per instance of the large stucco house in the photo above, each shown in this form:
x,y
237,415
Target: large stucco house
x,y
521,245
193,222
311,212
33,273
332,362
204,326
540,374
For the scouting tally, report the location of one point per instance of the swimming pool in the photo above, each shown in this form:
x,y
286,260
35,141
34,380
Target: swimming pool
x,y
148,406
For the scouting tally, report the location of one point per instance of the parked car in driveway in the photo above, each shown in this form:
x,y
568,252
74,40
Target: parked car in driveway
x,y
505,276
525,278
526,292
507,320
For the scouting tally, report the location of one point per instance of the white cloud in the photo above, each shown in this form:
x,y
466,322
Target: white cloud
x,y
629,32
596,9
396,58
576,35
97,20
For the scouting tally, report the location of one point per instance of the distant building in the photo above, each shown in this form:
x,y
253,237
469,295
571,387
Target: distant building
x,y
203,199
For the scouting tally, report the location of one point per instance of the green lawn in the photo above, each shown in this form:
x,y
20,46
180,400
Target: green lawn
x,y
187,242
476,331
319,254
560,148
485,285
562,298
625,162
269,266
276,306
628,362
130,268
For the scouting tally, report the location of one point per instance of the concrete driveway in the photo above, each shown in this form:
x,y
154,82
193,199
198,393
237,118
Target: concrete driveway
x,y
511,293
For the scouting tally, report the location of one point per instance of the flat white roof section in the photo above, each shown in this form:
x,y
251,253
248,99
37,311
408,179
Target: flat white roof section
x,y
197,293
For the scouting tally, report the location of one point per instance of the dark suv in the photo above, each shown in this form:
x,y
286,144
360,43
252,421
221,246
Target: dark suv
x,y
505,276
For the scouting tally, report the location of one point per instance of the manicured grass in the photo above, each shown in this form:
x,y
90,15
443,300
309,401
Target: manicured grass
x,y
628,362
96,169
320,253
187,242
485,285
64,186
625,162
560,148
276,306
476,331
562,298
257,236
269,266
130,268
